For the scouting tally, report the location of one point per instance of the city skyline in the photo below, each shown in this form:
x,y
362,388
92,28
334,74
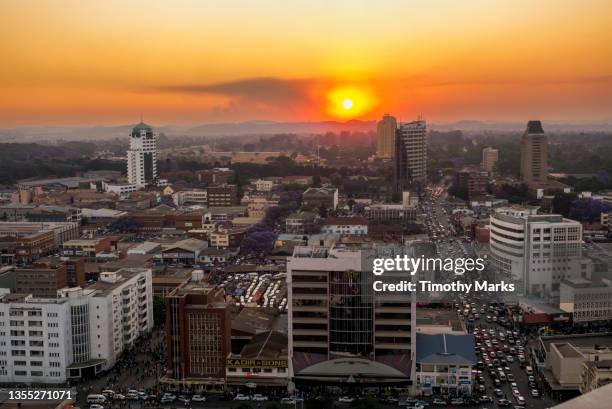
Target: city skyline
x,y
189,63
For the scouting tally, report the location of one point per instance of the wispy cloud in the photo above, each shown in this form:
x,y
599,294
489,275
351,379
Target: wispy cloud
x,y
267,90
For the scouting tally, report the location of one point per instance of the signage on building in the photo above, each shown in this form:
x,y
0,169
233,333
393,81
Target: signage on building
x,y
255,363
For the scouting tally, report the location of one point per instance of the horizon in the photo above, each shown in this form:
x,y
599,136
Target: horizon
x,y
191,62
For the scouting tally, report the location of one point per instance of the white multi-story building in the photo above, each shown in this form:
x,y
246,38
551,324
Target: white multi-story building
x,y
195,196
264,185
353,226
82,332
123,190
142,156
587,300
538,251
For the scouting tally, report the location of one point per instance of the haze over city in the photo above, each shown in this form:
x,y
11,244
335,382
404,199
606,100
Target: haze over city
x,y
190,62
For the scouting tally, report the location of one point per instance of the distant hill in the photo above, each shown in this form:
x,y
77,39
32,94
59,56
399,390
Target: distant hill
x,y
52,133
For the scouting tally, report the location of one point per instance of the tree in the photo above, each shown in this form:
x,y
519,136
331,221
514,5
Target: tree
x,y
588,210
260,239
562,203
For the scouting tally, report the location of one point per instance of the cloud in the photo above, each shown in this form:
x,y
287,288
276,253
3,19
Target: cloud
x,y
264,90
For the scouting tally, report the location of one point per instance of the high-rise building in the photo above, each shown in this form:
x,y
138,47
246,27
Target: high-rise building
x,y
410,155
142,156
536,250
534,154
473,181
385,137
198,335
490,156
339,329
82,332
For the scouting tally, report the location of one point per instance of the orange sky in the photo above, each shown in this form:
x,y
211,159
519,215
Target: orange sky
x,y
94,62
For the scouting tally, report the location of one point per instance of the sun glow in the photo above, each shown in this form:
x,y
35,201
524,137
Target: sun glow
x,y
350,101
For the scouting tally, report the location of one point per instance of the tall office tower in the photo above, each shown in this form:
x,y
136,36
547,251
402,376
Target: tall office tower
x,y
537,250
385,137
339,328
142,156
410,155
490,156
198,335
534,154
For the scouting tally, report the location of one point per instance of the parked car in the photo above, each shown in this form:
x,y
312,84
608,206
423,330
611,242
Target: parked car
x,y
240,396
258,397
198,398
345,399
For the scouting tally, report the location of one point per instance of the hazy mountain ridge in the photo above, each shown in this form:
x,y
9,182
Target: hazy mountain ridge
x,y
85,133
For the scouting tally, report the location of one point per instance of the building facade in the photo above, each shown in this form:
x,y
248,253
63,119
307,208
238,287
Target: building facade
x,y
411,155
338,329
80,333
490,156
385,137
534,154
536,250
142,156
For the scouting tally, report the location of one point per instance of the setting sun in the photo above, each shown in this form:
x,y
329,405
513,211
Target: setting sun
x,y
350,101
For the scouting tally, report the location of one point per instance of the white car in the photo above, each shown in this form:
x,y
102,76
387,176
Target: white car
x,y
240,396
96,406
118,396
345,399
258,397
198,398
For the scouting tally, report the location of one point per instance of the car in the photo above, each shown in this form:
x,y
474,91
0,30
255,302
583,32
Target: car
x,y
96,406
498,392
133,396
287,401
167,399
535,393
345,399
258,397
503,402
456,401
509,358
109,393
510,377
198,398
118,396
438,401
241,396
184,399
515,393
485,399
520,400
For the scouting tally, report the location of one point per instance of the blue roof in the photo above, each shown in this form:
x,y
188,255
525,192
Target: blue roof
x,y
445,349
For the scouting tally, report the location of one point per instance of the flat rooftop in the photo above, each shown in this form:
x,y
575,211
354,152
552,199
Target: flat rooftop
x,y
602,340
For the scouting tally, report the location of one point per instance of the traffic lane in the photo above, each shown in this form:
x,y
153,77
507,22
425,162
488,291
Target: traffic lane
x,y
520,378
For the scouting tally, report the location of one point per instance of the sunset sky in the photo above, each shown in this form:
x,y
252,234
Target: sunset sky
x,y
186,62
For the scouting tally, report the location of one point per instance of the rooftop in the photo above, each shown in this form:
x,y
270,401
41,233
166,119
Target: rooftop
x,y
445,349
